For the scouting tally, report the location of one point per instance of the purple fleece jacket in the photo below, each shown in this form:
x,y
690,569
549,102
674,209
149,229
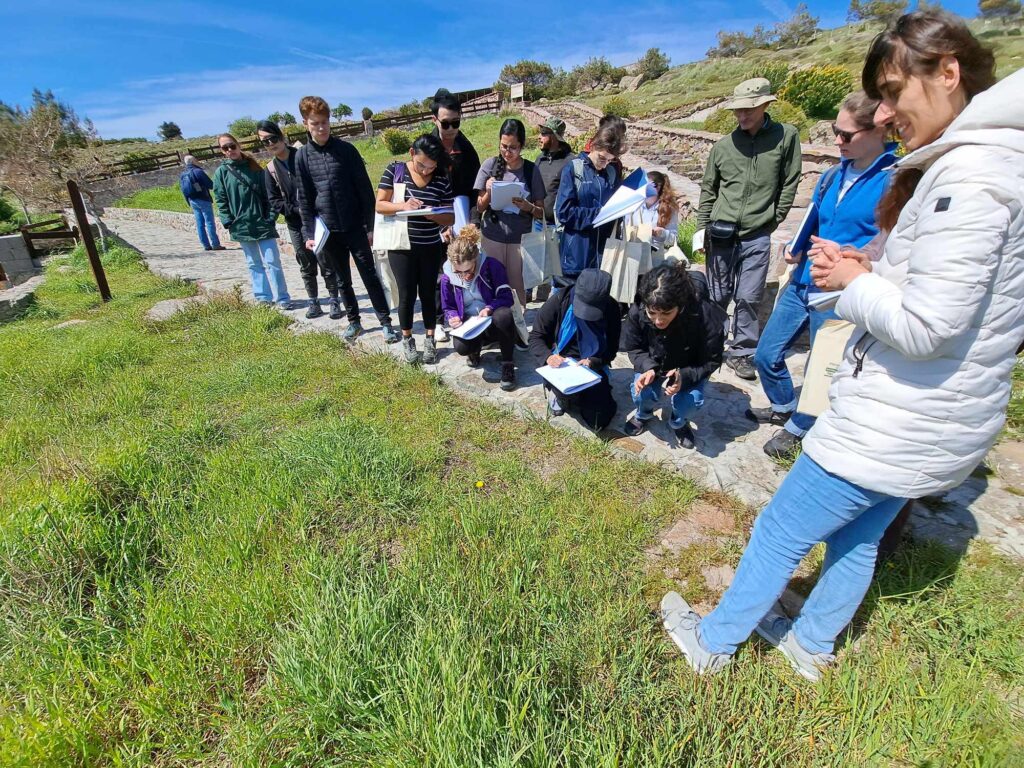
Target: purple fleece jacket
x,y
491,275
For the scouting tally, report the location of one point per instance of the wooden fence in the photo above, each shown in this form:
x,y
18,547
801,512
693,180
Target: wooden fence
x,y
46,232
479,102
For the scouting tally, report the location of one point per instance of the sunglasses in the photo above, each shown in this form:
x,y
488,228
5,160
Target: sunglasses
x,y
846,136
228,147
448,124
270,141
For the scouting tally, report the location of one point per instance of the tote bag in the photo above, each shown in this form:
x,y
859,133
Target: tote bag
x,y
391,233
539,251
826,355
621,259
518,315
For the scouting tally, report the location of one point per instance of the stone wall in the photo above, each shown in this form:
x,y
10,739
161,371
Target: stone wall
x,y
14,256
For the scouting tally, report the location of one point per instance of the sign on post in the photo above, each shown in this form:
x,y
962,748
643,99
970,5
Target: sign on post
x,y
518,89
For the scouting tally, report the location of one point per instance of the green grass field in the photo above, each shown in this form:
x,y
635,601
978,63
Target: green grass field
x,y
226,544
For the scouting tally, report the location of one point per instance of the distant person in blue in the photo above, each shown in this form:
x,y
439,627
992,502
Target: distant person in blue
x,y
847,197
587,183
195,186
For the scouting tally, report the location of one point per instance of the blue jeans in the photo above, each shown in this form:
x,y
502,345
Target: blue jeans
x,y
685,402
265,270
206,225
810,506
787,322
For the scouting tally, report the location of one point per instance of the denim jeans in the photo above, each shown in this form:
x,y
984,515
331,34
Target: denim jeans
x,y
787,322
265,271
206,224
811,506
685,402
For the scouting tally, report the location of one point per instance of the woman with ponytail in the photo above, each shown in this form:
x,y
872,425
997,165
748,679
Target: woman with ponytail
x,y
474,285
922,392
660,210
244,209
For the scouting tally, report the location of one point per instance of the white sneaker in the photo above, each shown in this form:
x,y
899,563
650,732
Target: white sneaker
x,y
777,628
441,333
682,621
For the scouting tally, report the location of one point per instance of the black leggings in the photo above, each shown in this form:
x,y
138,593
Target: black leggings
x,y
502,330
416,270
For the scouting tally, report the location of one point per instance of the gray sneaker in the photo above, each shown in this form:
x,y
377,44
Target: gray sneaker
x,y
777,629
409,352
429,351
353,330
682,621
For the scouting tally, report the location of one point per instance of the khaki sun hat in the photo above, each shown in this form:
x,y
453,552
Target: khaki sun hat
x,y
750,93
556,126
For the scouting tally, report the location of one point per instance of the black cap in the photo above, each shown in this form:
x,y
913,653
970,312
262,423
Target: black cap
x,y
591,293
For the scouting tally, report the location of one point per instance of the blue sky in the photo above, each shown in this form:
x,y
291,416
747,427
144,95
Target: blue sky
x,y
131,65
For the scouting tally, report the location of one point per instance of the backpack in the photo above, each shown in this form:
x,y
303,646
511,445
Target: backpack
x,y
577,180
188,189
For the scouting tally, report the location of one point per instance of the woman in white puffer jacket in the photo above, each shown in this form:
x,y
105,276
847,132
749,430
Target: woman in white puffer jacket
x,y
923,389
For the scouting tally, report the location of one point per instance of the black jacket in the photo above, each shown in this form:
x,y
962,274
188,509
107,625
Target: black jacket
x,y
465,166
693,342
333,184
550,166
548,321
283,193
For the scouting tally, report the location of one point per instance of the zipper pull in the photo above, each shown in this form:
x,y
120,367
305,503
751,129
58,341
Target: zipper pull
x,y
858,366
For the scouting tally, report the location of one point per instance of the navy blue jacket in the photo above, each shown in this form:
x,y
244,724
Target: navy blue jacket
x,y
581,243
201,184
850,221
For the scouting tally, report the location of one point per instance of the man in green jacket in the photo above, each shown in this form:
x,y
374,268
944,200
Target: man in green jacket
x,y
749,185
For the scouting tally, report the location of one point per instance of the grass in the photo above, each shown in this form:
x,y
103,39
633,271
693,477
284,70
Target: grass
x,y
224,543
1015,412
167,198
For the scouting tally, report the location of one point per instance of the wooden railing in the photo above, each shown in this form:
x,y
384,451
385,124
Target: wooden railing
x,y
38,232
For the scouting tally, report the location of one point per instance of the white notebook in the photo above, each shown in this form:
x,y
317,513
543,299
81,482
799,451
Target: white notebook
x,y
570,377
471,327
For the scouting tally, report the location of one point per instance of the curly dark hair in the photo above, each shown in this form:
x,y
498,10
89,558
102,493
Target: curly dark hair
x,y
667,287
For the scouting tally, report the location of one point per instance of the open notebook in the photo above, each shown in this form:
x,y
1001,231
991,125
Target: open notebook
x,y
471,328
570,377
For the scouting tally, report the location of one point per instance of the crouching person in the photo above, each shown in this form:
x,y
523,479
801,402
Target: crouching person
x,y
674,338
583,322
473,285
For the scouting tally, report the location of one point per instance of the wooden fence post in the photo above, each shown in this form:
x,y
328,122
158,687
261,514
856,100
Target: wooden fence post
x,y
85,232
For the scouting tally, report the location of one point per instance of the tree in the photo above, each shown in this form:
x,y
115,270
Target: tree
x,y
288,118
999,9
341,111
168,131
882,11
410,108
798,30
243,126
367,113
534,75
731,44
654,64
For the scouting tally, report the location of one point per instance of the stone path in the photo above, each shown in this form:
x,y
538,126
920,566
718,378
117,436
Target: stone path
x,y
728,455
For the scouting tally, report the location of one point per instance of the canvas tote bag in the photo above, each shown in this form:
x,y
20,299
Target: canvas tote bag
x,y
621,259
539,251
826,355
391,233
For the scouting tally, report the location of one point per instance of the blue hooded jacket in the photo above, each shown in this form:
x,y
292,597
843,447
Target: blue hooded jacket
x,y
581,243
850,221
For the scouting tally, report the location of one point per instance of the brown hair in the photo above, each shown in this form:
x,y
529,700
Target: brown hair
x,y
253,163
862,108
465,247
914,44
667,203
313,105
611,135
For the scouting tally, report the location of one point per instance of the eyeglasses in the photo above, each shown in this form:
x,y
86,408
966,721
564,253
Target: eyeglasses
x,y
509,150
270,140
846,136
449,124
469,271
228,147
426,170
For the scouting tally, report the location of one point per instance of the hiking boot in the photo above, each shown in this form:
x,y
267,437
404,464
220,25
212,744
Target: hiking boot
x,y
334,307
768,416
685,436
634,426
441,333
742,367
508,376
681,622
353,330
429,350
391,336
777,629
409,353
783,445
314,309
473,359
218,248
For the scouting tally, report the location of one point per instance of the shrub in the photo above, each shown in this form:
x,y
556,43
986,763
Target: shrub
x,y
684,239
242,127
775,72
724,121
654,64
10,218
367,113
818,90
720,121
617,106
397,142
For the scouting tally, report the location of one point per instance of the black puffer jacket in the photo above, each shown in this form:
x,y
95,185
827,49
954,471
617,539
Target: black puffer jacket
x,y
693,342
548,322
332,183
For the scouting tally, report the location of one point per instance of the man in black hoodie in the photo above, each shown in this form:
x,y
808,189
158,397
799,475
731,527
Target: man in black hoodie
x,y
334,186
465,161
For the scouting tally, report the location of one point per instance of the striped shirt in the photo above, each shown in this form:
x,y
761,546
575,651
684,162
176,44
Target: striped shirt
x,y
422,231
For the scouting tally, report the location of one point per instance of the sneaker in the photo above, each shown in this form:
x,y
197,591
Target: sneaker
x,y
768,416
742,367
473,359
391,336
685,436
207,248
777,629
314,309
508,376
353,330
555,405
429,350
334,306
634,426
218,248
286,305
441,334
782,445
682,621
409,350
